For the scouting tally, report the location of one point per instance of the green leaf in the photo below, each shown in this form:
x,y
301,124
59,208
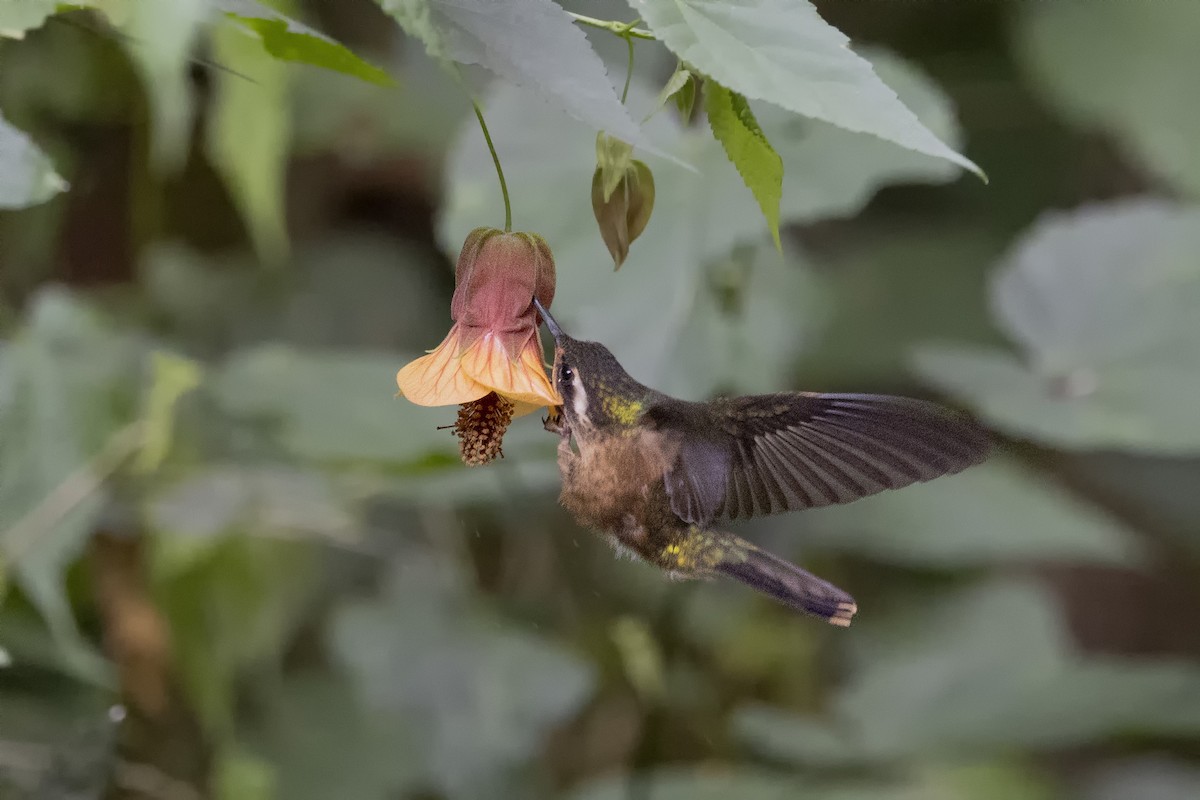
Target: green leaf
x,y
1145,97
324,743
830,172
285,43
19,16
680,80
249,136
989,668
1150,777
969,782
159,38
241,776
442,482
231,603
418,117
757,309
418,19
699,217
26,175
333,406
782,51
685,99
270,500
532,43
342,291
734,126
67,398
683,783
1102,303
900,289
289,40
1155,491
171,377
992,513
989,781
486,695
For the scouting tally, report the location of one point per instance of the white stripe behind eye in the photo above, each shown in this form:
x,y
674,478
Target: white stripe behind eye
x,y
579,398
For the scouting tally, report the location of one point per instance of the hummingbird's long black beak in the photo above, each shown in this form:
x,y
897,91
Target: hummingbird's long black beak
x,y
551,325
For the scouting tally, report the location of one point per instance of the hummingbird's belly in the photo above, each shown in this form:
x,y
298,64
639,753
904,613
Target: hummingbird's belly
x,y
615,485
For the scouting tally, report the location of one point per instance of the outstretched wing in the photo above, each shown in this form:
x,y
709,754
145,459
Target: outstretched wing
x,y
748,456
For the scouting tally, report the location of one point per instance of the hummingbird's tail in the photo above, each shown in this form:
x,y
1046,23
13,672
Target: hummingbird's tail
x,y
786,582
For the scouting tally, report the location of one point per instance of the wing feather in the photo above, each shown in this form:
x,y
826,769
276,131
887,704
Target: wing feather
x,y
785,473
749,456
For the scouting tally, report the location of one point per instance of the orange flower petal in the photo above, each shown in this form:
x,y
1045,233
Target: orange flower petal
x,y
437,379
522,380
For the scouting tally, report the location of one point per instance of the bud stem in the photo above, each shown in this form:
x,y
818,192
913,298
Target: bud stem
x,y
628,69
495,160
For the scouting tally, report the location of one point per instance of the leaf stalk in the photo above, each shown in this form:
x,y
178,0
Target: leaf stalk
x,y
625,30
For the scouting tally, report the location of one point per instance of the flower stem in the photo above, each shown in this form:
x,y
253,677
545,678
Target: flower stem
x,y
622,29
495,160
628,69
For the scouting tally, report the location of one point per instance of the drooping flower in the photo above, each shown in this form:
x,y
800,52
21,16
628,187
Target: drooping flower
x,y
492,347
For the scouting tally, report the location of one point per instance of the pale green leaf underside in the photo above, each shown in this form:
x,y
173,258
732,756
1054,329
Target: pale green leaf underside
x,y
509,687
990,667
993,513
1146,96
19,16
734,126
248,137
332,406
57,413
26,175
326,741
781,51
1150,776
1102,303
959,782
417,19
1129,408
744,783
532,43
225,498
679,78
158,38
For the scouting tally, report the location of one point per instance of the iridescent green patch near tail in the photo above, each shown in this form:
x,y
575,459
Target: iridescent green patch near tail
x,y
702,550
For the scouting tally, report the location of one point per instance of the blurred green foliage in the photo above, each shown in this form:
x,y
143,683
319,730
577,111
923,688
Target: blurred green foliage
x,y
234,565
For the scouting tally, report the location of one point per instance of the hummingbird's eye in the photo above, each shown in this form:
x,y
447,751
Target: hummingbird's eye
x,y
565,373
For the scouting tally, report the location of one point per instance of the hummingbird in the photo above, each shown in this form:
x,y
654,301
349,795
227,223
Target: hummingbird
x,y
654,474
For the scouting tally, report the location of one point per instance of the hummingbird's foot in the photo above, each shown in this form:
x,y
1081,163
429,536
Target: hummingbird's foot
x,y
555,422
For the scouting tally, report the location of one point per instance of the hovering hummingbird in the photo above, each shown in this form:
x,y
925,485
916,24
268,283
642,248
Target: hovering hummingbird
x,y
654,473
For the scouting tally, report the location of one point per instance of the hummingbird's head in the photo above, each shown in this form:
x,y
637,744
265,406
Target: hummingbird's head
x,y
596,390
